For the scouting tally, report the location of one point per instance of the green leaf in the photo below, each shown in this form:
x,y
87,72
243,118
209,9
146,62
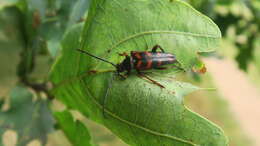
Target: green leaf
x,y
139,112
177,27
76,132
7,3
78,11
204,6
256,52
66,14
47,21
30,118
225,2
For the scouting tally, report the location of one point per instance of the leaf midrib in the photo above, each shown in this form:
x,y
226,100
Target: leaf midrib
x,y
79,77
162,32
137,126
119,118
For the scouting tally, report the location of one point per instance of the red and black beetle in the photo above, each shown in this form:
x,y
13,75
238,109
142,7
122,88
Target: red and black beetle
x,y
141,61
146,60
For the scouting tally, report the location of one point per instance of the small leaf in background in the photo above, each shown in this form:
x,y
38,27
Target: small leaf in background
x,y
29,117
64,15
7,3
47,21
136,110
256,52
76,132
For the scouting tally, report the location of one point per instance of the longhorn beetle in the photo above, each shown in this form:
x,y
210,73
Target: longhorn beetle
x,y
140,61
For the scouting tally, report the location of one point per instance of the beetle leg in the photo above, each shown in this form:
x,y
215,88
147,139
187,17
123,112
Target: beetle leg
x,y
154,49
153,81
174,66
161,68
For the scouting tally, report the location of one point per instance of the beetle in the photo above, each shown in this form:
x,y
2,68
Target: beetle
x,y
146,60
141,61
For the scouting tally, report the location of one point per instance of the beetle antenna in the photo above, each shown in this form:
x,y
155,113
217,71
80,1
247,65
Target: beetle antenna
x,y
85,52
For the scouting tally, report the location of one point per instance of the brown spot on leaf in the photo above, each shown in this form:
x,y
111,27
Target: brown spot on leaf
x,y
202,70
92,71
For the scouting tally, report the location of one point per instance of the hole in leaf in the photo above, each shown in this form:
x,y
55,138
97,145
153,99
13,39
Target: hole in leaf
x,y
35,142
9,138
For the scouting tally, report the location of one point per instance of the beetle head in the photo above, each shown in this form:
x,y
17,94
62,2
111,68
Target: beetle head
x,y
125,65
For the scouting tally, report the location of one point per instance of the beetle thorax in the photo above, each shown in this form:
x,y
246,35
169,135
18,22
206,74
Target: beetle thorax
x,y
125,65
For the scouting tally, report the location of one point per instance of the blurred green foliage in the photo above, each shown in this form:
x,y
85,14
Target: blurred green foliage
x,y
38,27
243,16
28,115
75,130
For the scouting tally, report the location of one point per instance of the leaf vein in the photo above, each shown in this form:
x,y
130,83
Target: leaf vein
x,y
161,32
138,126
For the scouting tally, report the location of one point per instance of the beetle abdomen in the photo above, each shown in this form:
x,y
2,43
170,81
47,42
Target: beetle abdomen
x,y
151,60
